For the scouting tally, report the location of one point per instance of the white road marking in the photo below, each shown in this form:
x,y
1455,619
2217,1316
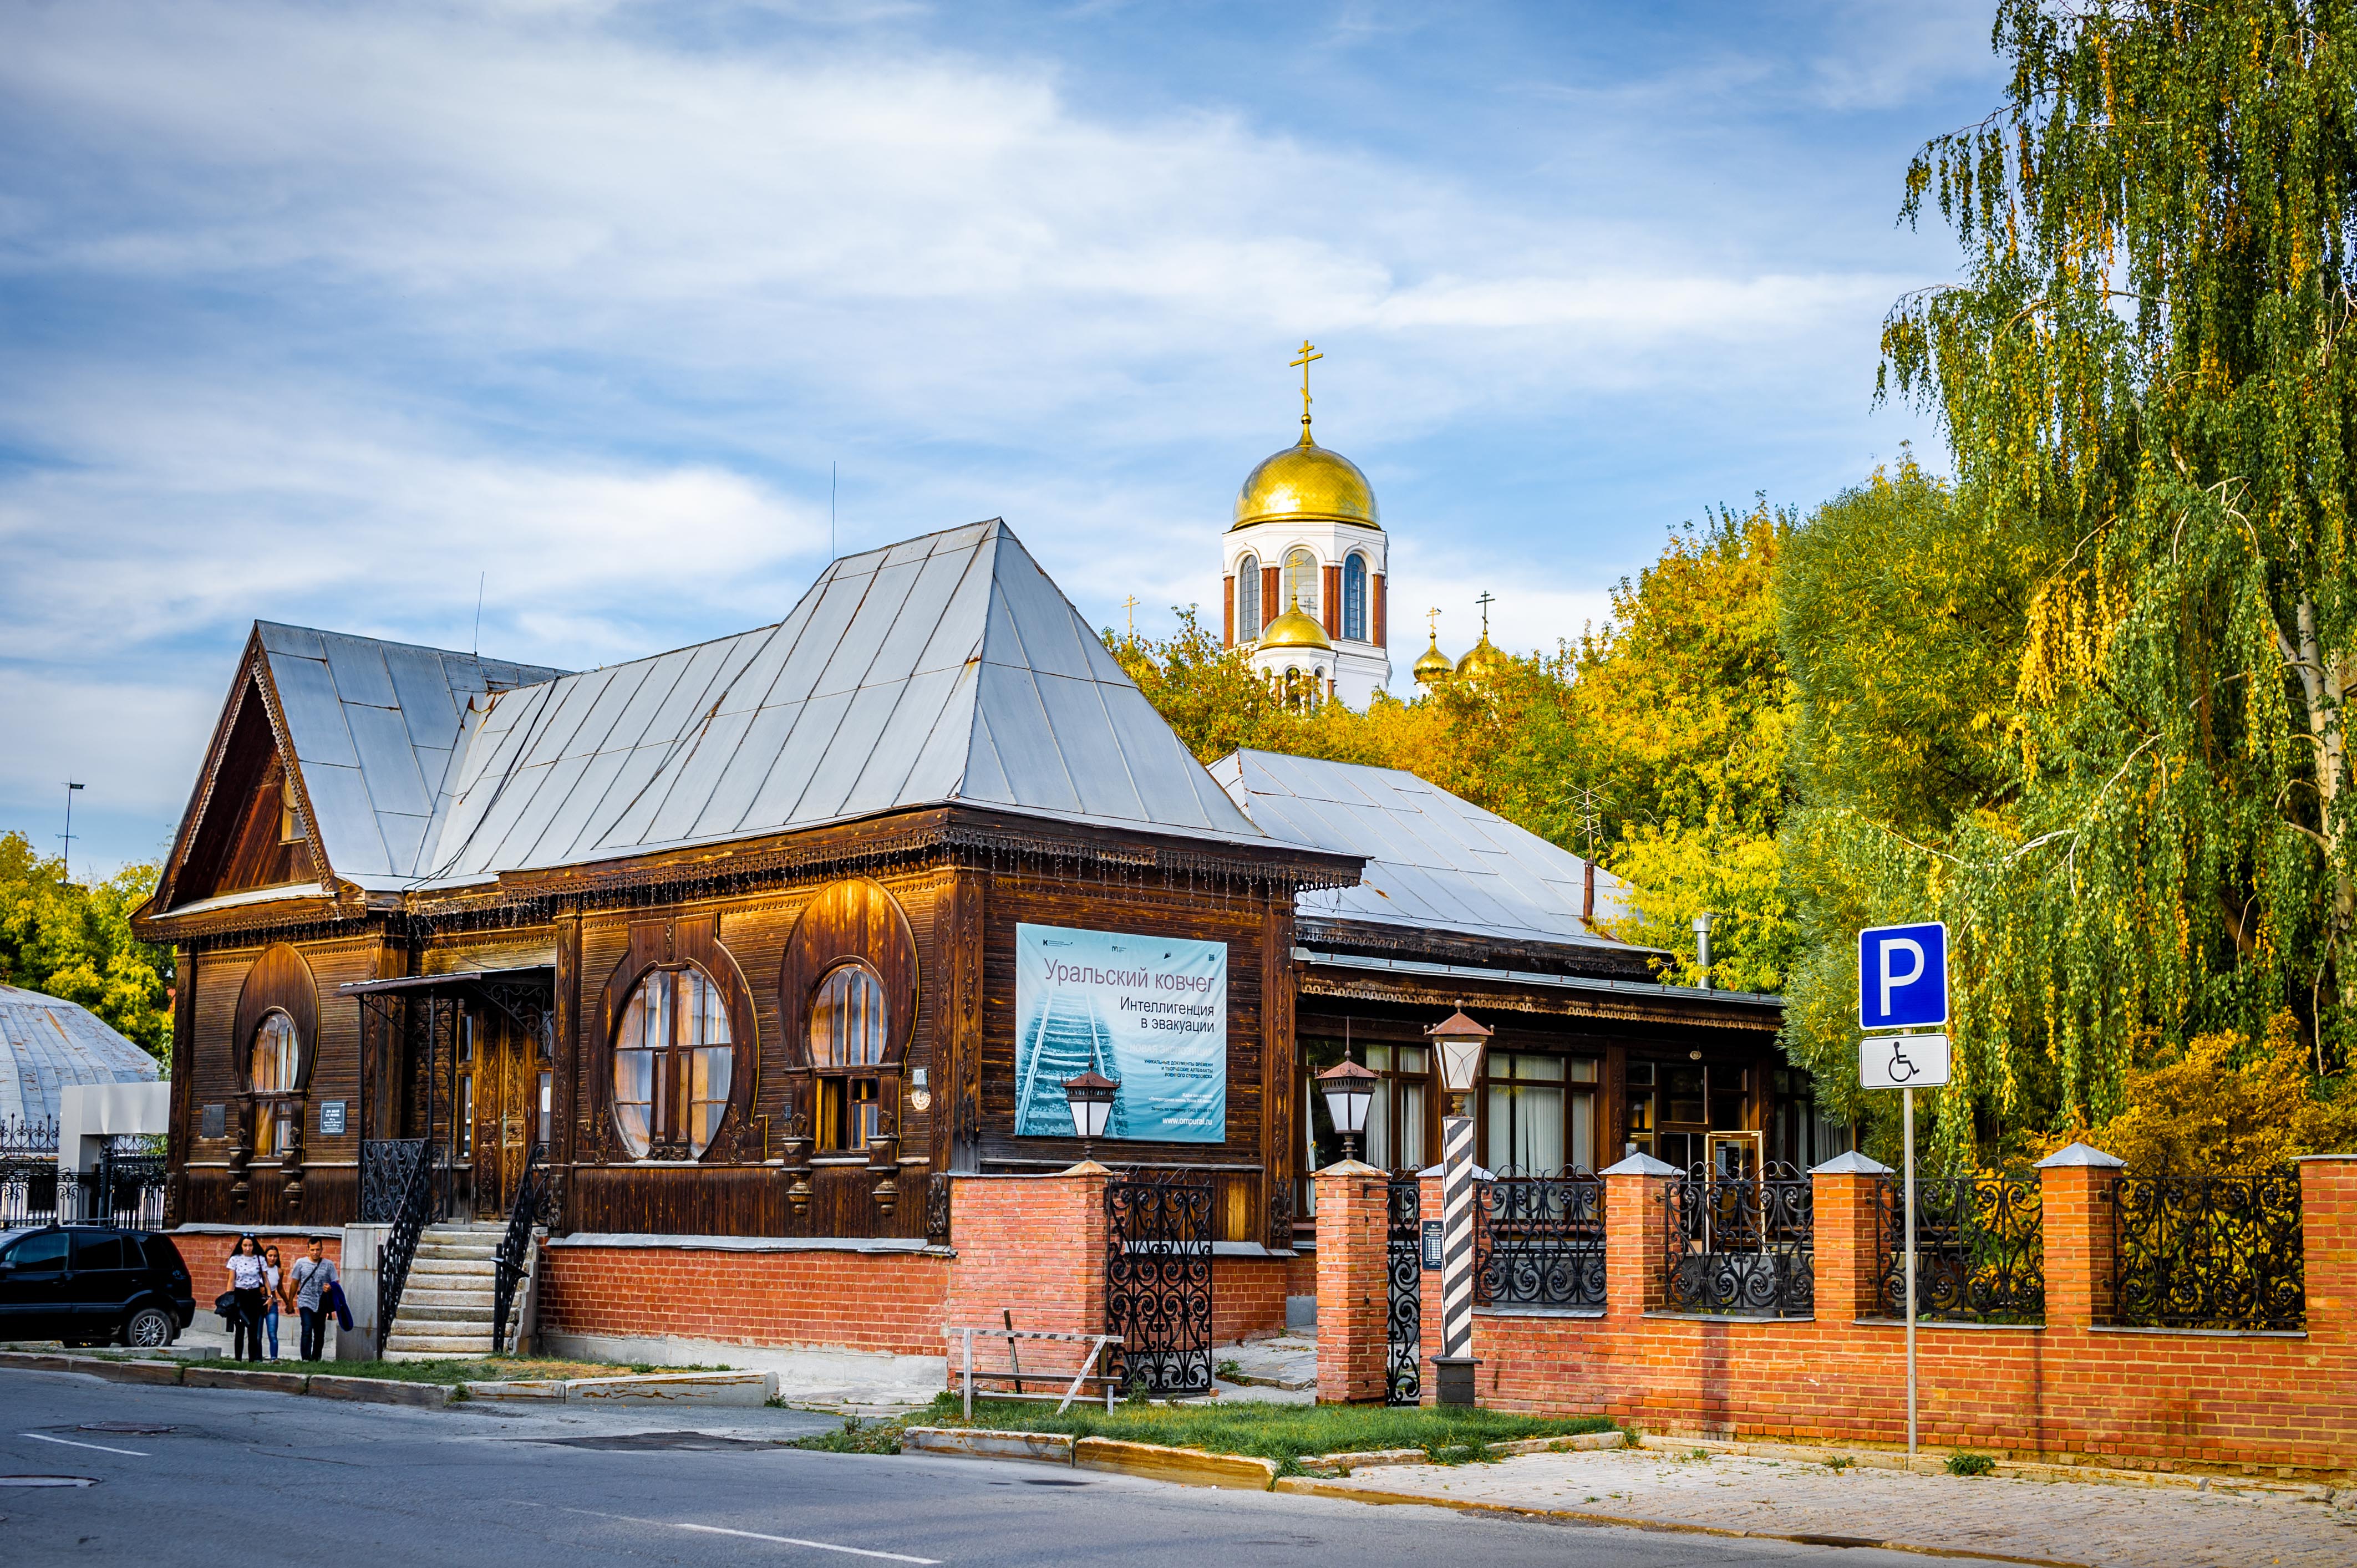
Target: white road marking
x,y
103,1448
756,1535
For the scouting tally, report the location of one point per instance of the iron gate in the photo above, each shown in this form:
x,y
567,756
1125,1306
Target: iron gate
x,y
1405,1325
1158,1285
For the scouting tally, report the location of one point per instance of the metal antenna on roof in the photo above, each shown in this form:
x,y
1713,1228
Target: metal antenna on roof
x,y
831,552
479,576
69,834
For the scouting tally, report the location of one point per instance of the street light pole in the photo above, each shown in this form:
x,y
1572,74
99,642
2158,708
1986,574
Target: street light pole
x,y
1461,1042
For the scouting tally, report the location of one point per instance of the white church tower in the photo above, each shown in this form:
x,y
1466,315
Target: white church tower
x,y
1304,566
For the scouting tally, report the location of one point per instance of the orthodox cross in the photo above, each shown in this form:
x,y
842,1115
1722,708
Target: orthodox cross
x,y
1431,624
1130,604
1485,601
1308,354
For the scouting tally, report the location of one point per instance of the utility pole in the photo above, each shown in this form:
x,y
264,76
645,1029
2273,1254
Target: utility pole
x,y
69,834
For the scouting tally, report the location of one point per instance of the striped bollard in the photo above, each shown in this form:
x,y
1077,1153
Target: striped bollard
x,y
1453,1368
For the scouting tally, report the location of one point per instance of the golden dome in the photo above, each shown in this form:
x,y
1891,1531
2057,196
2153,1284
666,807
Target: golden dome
x,y
1434,665
1483,658
1305,480
1294,629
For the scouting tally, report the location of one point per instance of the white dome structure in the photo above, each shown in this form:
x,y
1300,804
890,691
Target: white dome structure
x,y
47,1044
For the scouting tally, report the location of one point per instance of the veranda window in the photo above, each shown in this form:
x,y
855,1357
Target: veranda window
x,y
673,1061
848,1029
1540,1113
275,1068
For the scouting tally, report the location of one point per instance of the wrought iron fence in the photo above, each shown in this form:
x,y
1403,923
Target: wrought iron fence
x,y
1403,1326
515,1258
2208,1252
413,1210
1539,1240
1980,1249
1158,1283
126,1189
1742,1246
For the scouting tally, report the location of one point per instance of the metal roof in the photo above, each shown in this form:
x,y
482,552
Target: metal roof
x,y
1434,861
942,668
46,1043
373,725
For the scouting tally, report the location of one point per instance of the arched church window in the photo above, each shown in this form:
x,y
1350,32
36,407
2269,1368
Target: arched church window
x,y
1301,582
1248,599
848,1029
1354,597
673,1061
275,1068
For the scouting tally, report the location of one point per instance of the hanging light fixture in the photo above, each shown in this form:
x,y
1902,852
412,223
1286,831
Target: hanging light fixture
x,y
1460,1041
1349,1090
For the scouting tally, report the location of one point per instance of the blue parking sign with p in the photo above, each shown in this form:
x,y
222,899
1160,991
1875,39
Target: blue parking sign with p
x,y
1902,976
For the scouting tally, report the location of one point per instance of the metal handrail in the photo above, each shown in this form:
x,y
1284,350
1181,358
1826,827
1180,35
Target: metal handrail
x,y
515,1247
409,1222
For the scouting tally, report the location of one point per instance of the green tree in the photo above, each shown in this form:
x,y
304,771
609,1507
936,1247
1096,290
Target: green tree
x,y
71,940
2145,378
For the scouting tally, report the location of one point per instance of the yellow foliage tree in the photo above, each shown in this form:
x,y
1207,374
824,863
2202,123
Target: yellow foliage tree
x,y
2224,1105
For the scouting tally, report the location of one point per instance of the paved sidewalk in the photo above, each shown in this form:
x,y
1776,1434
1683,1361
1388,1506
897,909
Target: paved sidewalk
x,y
2101,1525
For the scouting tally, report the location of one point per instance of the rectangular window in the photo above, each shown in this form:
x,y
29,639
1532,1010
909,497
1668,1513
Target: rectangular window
x,y
290,820
548,1107
851,1114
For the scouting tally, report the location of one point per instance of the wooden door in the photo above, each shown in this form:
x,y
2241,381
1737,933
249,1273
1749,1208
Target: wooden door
x,y
507,1072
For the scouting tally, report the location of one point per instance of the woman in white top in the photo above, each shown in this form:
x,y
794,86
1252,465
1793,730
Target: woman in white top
x,y
248,1278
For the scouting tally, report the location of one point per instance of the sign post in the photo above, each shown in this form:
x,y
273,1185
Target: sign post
x,y
1902,982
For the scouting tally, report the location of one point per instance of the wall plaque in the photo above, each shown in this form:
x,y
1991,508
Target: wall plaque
x,y
214,1124
331,1118
1431,1243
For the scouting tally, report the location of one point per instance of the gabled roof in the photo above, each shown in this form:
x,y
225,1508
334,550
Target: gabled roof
x,y
46,1043
1434,861
372,725
943,668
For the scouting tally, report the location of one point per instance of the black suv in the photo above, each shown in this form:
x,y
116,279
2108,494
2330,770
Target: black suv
x,y
93,1284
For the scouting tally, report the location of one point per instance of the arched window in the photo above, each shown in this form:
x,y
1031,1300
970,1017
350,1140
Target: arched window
x,y
276,1068
1354,597
1248,599
1300,583
674,1060
849,1024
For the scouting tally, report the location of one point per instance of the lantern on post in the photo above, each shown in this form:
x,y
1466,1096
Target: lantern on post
x,y
1090,1097
1349,1090
1460,1041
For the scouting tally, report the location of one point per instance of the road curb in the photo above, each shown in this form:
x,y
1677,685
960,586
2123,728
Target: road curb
x,y
1311,1486
380,1391
231,1378
986,1443
1185,1467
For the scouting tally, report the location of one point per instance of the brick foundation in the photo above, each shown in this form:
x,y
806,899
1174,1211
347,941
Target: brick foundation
x,y
2147,1399
1248,1299
845,1300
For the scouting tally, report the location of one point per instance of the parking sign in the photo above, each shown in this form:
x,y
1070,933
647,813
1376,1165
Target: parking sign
x,y
1902,976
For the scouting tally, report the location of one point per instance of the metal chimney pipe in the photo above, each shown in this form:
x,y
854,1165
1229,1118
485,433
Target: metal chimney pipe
x,y
1702,946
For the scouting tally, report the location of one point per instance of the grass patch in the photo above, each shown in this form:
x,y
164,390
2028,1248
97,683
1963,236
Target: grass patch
x,y
1284,1433
852,1437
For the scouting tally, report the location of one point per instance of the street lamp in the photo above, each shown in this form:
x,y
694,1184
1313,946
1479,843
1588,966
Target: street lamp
x,y
1460,1041
1090,1099
1349,1090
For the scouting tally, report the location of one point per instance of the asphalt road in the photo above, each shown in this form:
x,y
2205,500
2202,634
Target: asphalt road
x,y
261,1480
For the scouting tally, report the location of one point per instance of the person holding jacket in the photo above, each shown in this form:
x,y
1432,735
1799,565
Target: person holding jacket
x,y
248,1279
311,1276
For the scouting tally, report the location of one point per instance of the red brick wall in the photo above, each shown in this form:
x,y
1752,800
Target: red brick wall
x,y
857,1301
1354,1281
1247,1298
207,1255
1301,1274
2129,1397
1034,1245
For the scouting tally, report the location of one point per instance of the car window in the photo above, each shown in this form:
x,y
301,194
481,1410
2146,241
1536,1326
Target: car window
x,y
161,1254
101,1251
42,1253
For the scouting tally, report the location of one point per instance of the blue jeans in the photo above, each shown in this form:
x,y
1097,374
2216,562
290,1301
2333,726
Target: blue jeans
x,y
270,1326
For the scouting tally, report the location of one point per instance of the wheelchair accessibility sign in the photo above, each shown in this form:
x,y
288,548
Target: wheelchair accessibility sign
x,y
1903,1061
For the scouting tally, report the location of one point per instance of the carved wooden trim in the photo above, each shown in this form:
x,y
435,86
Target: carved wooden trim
x,y
858,919
280,981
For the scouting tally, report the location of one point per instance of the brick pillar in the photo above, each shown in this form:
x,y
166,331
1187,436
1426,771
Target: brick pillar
x,y
1353,1283
1636,1234
1847,1192
2075,1186
2327,1222
1034,1244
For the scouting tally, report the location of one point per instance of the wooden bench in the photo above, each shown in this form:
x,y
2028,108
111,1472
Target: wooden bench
x,y
1072,1381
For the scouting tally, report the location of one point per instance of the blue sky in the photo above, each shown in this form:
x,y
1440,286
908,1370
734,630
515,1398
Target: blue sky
x,y
325,313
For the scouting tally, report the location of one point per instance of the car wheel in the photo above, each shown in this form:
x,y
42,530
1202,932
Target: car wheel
x,y
149,1328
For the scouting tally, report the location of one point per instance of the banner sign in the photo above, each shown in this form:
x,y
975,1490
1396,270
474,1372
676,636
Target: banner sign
x,y
1151,1013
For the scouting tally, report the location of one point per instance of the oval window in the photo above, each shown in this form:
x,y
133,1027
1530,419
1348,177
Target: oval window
x,y
673,1062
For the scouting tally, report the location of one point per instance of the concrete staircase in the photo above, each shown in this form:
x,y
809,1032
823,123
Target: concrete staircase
x,y
445,1306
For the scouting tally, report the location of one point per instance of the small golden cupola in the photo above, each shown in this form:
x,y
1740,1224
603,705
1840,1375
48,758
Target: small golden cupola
x,y
1294,629
1433,666
1484,657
